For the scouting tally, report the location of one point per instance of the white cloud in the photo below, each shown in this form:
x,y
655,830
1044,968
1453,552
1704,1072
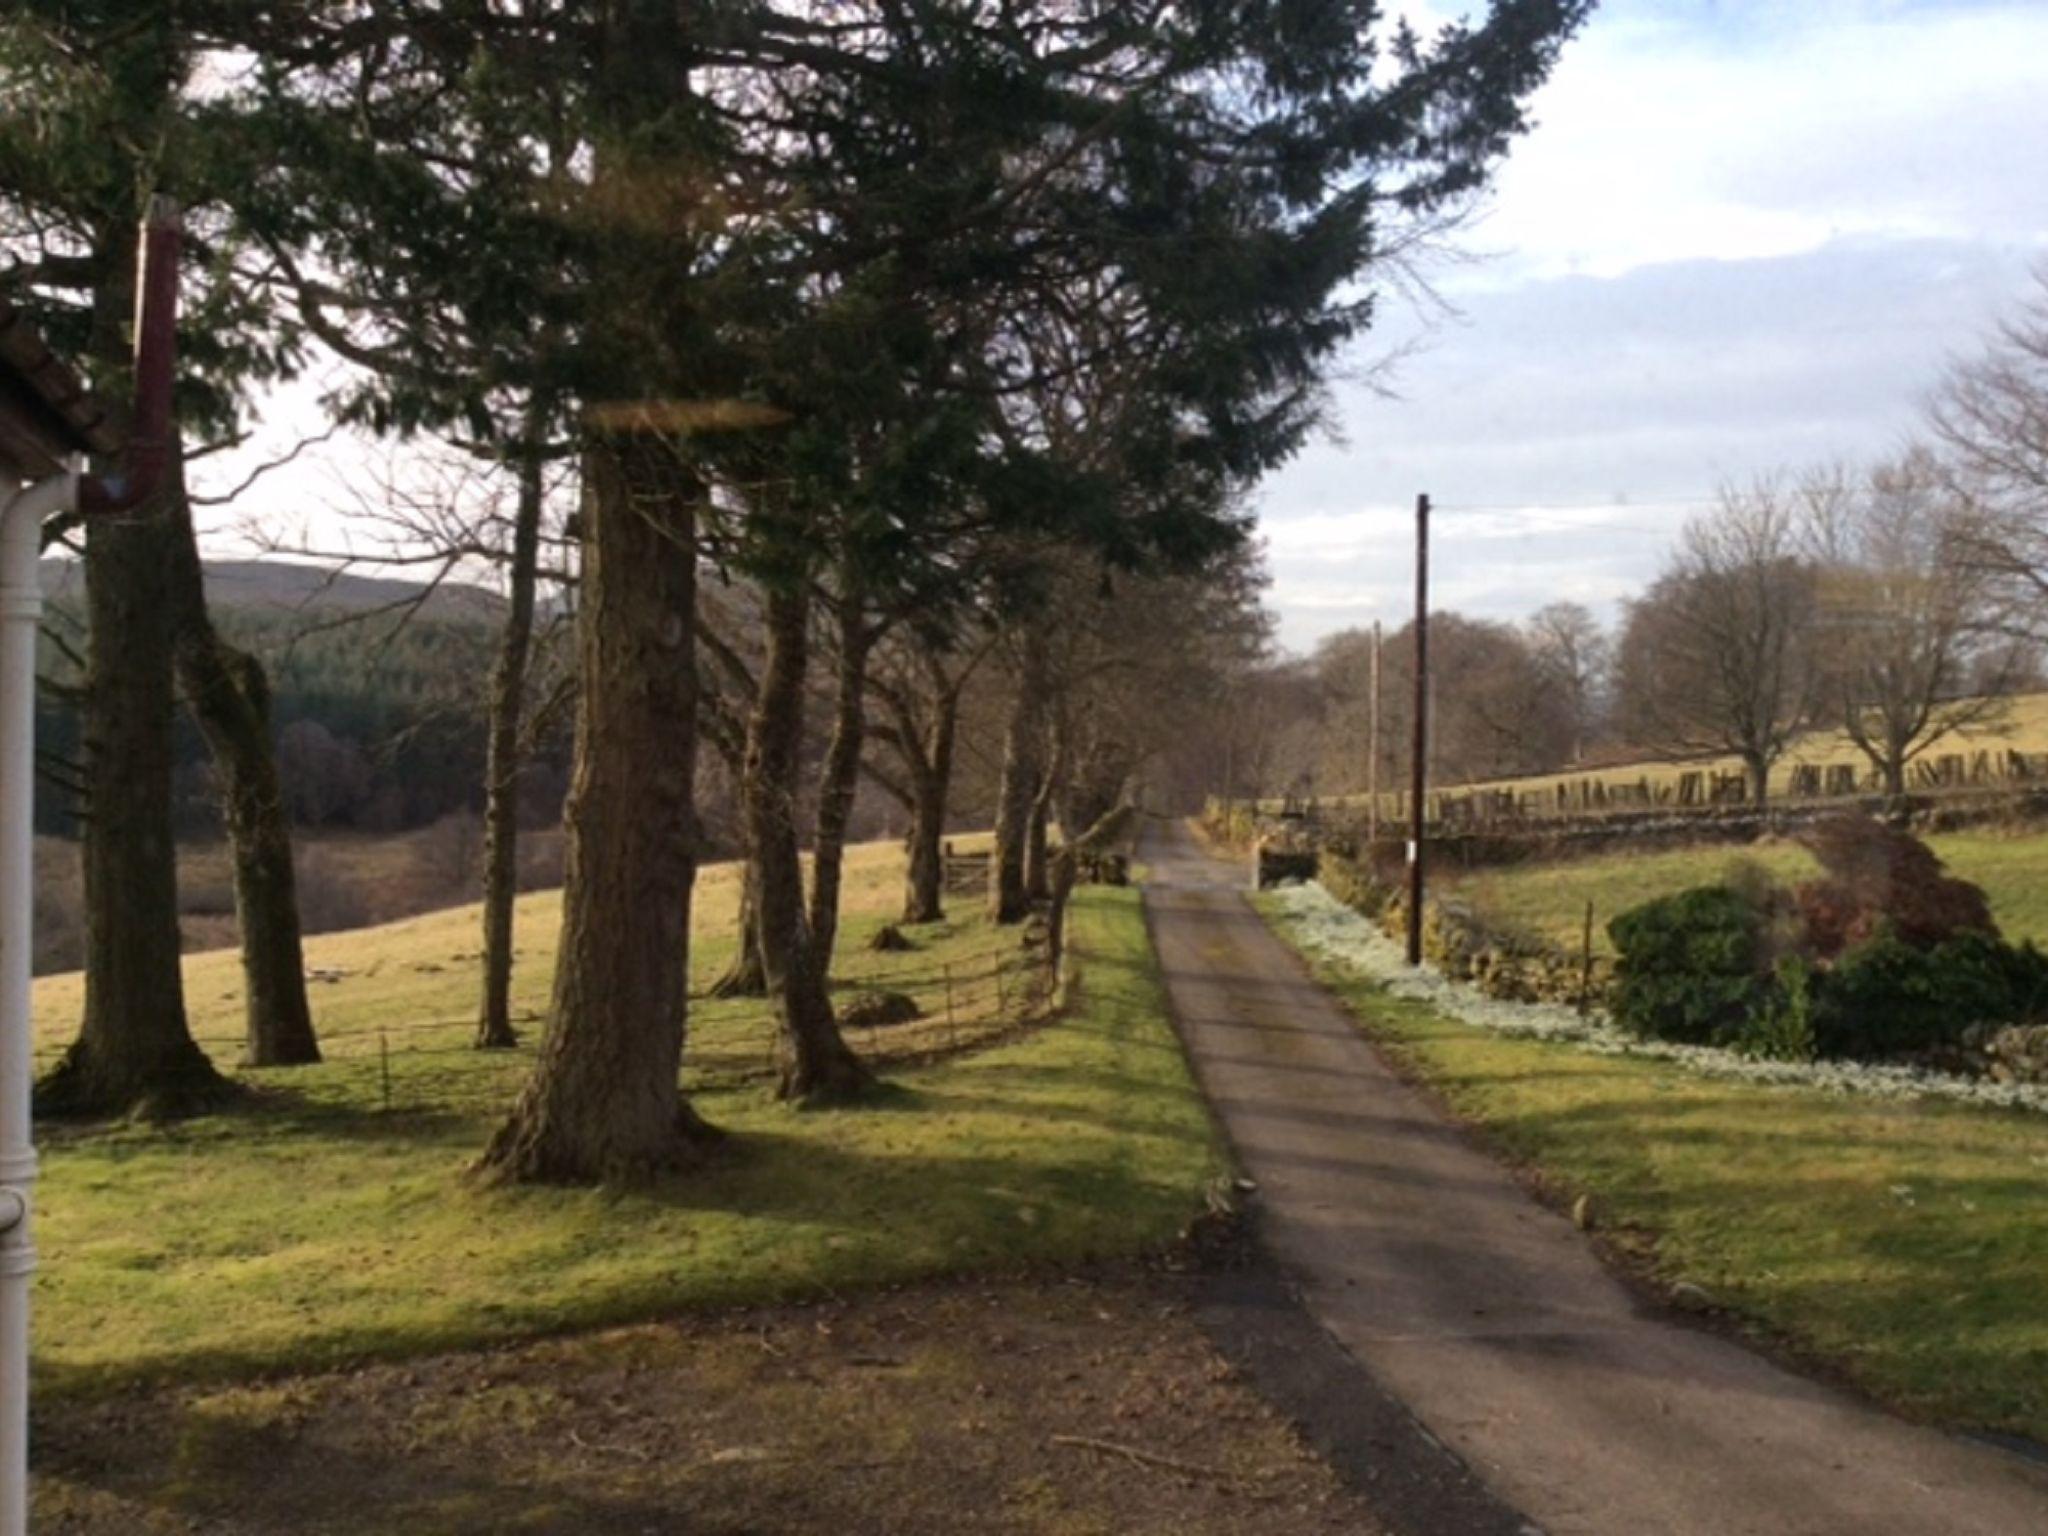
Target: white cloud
x,y
1735,131
1566,426
1745,234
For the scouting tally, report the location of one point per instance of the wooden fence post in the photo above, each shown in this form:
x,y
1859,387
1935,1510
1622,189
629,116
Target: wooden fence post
x,y
1586,962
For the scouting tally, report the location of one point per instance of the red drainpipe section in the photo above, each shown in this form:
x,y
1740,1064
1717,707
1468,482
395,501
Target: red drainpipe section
x,y
146,461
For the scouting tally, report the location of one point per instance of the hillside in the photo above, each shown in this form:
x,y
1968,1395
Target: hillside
x,y
375,697
289,586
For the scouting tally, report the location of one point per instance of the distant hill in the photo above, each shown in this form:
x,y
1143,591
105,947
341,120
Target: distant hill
x,y
378,718
286,586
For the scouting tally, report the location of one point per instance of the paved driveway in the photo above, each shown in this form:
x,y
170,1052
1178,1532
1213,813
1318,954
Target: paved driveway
x,y
1491,1317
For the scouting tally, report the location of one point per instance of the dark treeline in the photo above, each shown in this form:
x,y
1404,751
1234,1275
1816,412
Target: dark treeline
x,y
377,723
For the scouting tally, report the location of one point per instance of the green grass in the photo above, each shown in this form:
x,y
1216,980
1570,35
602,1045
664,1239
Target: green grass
x,y
1549,899
1905,1244
320,1229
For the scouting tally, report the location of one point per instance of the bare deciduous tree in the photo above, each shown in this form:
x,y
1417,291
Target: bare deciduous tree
x,y
1574,655
1718,655
1904,658
1990,419
919,680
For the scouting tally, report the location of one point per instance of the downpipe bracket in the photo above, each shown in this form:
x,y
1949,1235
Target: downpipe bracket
x,y
13,1214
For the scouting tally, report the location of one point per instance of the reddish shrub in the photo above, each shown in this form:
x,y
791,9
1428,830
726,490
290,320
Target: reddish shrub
x,y
1879,878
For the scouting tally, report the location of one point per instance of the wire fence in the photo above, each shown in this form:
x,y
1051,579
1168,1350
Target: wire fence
x,y
962,1005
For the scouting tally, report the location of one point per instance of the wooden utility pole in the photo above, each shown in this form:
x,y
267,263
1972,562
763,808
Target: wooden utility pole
x,y
1372,736
1417,785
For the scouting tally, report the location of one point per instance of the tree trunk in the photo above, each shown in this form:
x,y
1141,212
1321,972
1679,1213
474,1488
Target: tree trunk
x,y
838,781
134,1052
924,880
494,1029
1023,749
603,1102
746,976
229,696
1037,841
1758,770
817,1065
931,784
1894,777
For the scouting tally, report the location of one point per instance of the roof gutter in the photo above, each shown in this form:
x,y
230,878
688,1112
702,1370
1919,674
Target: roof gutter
x,y
144,467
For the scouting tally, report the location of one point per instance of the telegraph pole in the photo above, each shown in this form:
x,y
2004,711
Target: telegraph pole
x,y
1372,736
1417,778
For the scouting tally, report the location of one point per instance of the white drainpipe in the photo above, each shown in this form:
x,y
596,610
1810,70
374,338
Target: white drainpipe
x,y
145,461
21,604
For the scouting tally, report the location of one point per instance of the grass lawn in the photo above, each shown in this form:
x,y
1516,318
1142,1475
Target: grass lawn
x,y
321,1228
1905,1244
1549,899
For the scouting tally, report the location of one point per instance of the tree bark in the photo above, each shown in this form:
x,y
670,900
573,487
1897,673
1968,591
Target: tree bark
x,y
134,1053
924,879
1758,770
839,779
494,1029
817,1066
724,727
1037,842
603,1102
922,730
1023,752
228,694
746,976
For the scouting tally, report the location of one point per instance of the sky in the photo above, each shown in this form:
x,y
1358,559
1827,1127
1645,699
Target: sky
x,y
1744,236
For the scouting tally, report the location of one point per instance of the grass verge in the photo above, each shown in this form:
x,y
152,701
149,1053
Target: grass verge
x,y
321,1229
1901,1244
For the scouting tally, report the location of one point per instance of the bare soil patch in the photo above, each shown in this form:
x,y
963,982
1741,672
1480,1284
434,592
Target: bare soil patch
x,y
1067,1408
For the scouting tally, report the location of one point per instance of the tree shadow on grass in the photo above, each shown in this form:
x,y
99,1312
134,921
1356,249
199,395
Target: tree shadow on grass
x,y
818,1217
264,1114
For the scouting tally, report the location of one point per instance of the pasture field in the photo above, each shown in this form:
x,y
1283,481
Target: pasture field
x,y
1902,1244
2022,727
1549,899
324,1224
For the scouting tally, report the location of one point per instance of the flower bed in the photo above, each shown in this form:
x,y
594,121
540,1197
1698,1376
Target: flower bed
x,y
1325,929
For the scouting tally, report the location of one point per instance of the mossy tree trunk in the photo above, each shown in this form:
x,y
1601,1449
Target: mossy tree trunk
x,y
228,694
603,1102
747,975
817,1066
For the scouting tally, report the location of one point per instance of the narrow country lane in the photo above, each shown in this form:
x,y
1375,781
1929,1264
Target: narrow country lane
x,y
1490,1317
